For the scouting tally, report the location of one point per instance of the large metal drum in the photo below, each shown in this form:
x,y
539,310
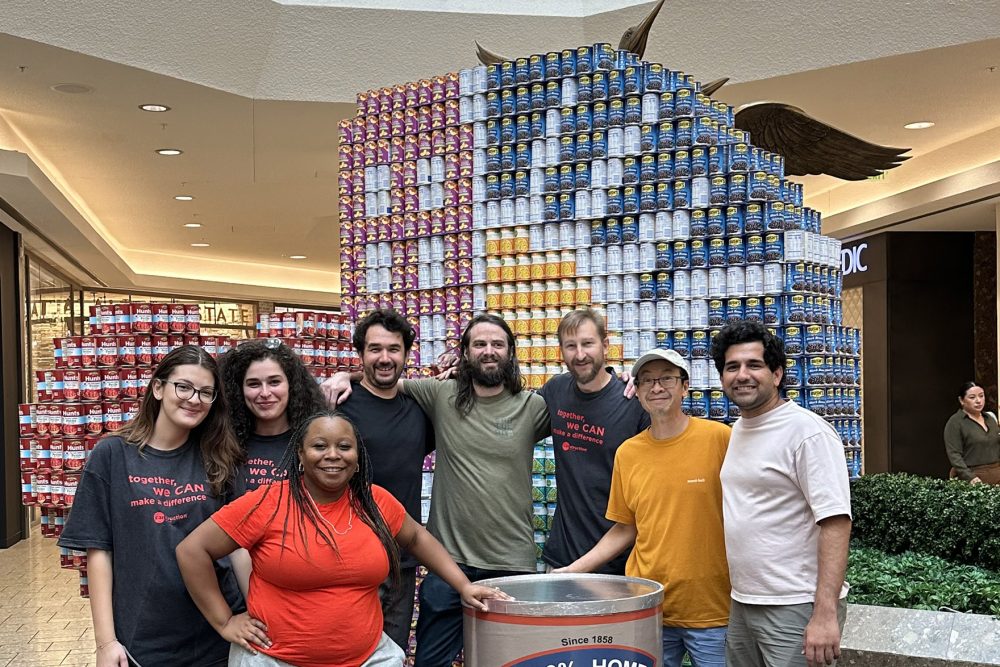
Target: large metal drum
x,y
567,620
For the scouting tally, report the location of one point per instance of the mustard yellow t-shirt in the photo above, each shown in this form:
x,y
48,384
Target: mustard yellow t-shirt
x,y
670,491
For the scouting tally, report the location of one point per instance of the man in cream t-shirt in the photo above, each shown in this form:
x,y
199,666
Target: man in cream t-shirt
x,y
787,511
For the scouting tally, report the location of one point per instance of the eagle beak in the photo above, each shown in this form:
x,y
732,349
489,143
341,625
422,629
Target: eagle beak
x,y
634,39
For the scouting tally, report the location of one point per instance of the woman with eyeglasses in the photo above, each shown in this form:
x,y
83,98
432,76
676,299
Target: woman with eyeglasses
x,y
270,392
144,488
322,541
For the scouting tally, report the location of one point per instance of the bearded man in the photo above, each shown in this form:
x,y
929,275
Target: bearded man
x,y
591,418
485,427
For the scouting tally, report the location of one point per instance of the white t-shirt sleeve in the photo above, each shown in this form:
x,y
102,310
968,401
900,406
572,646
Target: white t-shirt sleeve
x,y
822,475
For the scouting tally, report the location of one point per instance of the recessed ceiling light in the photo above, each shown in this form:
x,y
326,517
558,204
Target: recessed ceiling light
x,y
296,257
199,245
72,88
169,151
183,197
155,108
920,125
193,225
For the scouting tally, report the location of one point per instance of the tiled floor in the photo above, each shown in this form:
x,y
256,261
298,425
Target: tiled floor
x,y
43,619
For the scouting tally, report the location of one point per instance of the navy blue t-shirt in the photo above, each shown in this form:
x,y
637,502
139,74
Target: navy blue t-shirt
x,y
139,506
398,436
587,429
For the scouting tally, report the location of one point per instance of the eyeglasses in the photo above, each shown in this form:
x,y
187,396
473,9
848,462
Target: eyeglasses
x,y
185,391
667,381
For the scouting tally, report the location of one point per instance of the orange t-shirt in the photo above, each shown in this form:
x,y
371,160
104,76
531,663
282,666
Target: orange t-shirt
x,y
321,608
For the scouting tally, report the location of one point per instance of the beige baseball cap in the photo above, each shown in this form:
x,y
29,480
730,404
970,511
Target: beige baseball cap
x,y
671,356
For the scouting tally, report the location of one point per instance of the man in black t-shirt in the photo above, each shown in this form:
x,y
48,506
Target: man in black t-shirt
x,y
397,434
590,418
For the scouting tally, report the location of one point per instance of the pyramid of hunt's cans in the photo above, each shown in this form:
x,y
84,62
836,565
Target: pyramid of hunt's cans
x,y
588,177
322,341
96,386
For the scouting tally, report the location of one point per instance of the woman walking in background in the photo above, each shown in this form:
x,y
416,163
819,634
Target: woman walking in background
x,y
972,438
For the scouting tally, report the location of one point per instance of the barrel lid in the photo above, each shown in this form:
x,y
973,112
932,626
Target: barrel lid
x,y
573,594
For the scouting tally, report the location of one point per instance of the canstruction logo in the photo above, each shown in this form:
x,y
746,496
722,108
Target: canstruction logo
x,y
597,656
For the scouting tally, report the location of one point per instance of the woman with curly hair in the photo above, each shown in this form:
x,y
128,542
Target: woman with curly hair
x,y
270,392
144,488
321,541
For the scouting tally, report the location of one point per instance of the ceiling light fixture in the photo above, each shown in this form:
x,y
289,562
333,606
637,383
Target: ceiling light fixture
x,y
183,197
72,88
296,257
155,108
199,245
192,225
169,151
919,125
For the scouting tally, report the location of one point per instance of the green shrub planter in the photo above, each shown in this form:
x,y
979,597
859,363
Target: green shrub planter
x,y
954,520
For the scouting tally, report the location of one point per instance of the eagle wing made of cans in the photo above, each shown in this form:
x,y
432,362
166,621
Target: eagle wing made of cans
x,y
808,145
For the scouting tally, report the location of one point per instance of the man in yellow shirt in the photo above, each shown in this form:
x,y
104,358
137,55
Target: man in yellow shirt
x,y
666,500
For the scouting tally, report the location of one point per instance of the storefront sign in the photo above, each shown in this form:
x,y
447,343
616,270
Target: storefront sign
x,y
851,260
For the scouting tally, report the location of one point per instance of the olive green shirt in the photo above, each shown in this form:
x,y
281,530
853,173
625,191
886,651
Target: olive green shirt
x,y
968,444
481,498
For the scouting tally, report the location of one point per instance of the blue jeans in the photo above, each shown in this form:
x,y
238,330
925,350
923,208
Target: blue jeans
x,y
706,646
439,624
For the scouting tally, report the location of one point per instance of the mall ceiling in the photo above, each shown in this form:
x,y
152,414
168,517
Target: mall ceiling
x,y
256,90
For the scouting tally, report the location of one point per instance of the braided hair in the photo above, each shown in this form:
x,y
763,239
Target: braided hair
x,y
299,503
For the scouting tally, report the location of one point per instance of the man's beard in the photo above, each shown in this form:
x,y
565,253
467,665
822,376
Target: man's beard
x,y
586,376
495,377
372,378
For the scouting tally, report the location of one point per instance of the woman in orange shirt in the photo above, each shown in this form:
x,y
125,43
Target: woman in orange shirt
x,y
321,542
